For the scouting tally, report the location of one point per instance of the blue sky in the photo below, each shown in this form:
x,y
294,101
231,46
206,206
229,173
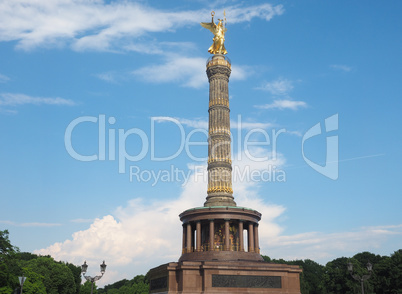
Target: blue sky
x,y
68,68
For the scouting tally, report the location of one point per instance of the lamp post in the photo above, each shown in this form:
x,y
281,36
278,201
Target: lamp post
x,y
361,278
84,268
22,280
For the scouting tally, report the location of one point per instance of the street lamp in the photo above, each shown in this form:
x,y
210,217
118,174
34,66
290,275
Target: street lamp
x,y
361,278
84,268
22,280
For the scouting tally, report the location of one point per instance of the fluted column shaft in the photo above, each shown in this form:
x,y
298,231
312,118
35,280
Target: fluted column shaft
x,y
220,192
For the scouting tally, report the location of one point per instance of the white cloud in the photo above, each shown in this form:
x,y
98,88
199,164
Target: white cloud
x,y
33,224
11,99
341,67
264,11
240,72
323,247
296,133
247,125
192,123
8,111
81,220
187,71
161,48
195,123
120,26
284,104
144,234
107,77
190,72
97,25
4,79
279,86
203,124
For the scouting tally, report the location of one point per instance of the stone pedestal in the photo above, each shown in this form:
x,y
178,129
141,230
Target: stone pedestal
x,y
225,277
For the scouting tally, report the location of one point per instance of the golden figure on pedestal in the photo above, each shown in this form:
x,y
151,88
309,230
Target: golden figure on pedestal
x,y
219,30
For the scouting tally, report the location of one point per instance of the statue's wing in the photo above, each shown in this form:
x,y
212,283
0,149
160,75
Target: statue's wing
x,y
210,26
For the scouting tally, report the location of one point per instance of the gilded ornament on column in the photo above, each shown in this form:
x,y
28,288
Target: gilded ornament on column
x,y
219,30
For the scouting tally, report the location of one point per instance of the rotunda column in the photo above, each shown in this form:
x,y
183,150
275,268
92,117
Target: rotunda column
x,y
241,237
211,234
256,242
198,230
188,237
184,239
250,237
227,235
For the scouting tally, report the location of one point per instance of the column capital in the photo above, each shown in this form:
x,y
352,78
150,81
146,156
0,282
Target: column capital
x,y
221,70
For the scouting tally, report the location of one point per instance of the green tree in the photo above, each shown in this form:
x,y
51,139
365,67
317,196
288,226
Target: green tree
x,y
304,276
5,284
140,288
5,245
396,272
311,279
126,289
6,290
86,288
9,269
381,275
58,278
117,285
76,271
138,285
33,283
365,257
337,279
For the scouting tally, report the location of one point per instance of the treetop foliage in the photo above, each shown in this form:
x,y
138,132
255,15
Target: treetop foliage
x,y
334,278
138,285
43,274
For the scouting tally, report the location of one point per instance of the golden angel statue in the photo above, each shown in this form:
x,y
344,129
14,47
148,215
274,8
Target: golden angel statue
x,y
219,30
